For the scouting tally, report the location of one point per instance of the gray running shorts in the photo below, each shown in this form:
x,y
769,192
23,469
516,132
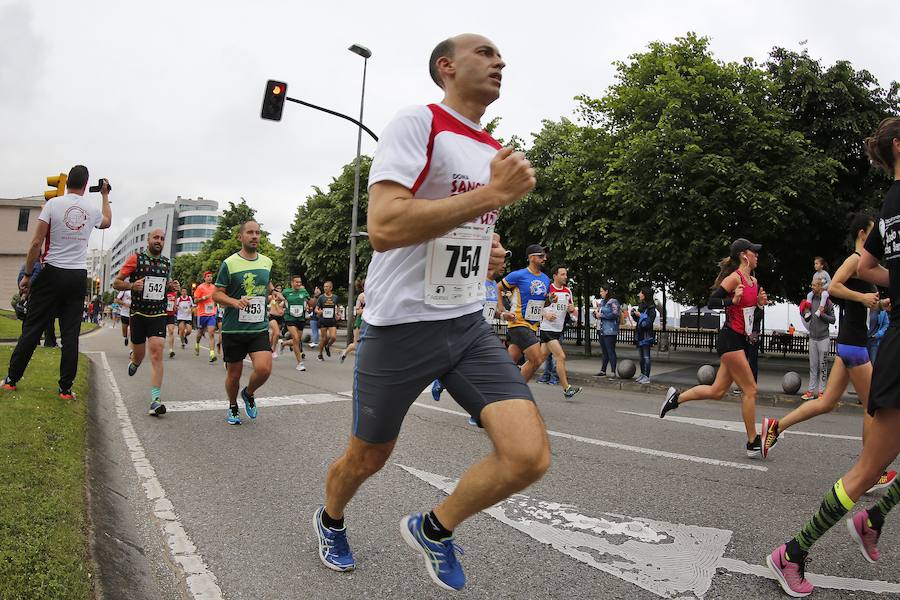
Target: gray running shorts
x,y
395,363
523,337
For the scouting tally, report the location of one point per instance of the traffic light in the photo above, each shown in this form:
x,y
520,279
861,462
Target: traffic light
x,y
57,181
273,101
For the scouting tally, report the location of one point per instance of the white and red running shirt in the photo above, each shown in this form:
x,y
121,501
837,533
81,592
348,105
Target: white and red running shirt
x,y
435,152
559,308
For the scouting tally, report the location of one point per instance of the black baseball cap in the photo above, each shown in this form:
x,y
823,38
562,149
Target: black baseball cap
x,y
741,244
534,249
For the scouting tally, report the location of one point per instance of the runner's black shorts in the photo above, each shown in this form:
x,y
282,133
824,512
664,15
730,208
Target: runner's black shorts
x,y
523,337
188,321
298,324
395,363
142,327
236,346
170,319
885,391
549,336
125,319
326,323
731,341
278,319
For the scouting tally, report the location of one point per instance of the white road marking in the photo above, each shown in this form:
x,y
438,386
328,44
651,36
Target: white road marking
x,y
222,404
667,559
201,583
737,426
627,448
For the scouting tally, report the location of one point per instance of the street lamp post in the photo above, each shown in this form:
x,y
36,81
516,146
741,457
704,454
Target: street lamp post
x,y
354,230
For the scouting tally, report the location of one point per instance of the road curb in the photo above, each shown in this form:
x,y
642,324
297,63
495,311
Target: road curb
x,y
762,399
120,561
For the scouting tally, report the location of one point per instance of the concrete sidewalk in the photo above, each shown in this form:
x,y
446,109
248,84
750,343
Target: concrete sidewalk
x,y
679,369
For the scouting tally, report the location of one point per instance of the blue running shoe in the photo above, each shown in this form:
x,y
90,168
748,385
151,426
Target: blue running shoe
x,y
249,403
334,551
553,381
157,408
440,557
234,415
472,421
436,389
132,369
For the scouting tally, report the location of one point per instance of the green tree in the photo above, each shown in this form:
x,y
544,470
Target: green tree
x,y
699,156
225,242
187,270
317,245
835,107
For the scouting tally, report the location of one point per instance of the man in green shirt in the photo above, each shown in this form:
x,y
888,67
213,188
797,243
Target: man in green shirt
x,y
241,287
296,297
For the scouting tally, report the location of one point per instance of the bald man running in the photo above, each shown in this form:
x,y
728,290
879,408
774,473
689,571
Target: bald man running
x,y
147,275
436,185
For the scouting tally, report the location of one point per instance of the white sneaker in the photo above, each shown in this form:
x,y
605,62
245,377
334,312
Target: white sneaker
x,y
274,355
300,367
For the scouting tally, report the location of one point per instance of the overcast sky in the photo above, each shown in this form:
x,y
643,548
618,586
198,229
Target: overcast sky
x,y
163,98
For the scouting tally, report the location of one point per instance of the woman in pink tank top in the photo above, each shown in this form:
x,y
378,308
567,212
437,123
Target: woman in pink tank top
x,y
737,291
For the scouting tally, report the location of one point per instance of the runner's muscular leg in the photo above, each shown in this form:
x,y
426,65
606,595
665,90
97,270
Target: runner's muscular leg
x,y
743,376
360,461
880,448
834,389
137,353
157,345
559,355
716,391
535,359
262,368
233,379
521,456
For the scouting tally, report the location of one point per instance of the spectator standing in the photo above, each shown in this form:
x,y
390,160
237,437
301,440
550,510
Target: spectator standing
x,y
64,227
878,324
607,314
818,316
645,336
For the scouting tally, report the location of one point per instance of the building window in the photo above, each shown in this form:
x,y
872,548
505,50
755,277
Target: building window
x,y
151,222
189,247
142,237
24,214
199,220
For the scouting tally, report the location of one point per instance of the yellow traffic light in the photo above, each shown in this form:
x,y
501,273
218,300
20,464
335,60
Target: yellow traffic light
x,y
57,181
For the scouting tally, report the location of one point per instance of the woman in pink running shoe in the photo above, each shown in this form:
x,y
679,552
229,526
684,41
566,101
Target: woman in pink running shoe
x,y
882,442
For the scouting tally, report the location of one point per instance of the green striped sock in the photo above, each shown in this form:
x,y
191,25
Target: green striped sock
x,y
834,506
884,506
154,394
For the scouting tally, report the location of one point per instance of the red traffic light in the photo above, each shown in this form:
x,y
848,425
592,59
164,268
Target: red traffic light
x,y
273,100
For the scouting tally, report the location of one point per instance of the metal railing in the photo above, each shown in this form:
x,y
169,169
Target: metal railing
x,y
698,339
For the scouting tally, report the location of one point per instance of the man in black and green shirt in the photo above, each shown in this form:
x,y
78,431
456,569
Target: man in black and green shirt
x,y
296,297
148,274
241,287
326,309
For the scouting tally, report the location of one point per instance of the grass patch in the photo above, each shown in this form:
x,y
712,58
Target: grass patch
x,y
43,525
11,327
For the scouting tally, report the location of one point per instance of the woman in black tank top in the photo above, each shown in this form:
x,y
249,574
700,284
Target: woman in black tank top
x,y
852,362
882,442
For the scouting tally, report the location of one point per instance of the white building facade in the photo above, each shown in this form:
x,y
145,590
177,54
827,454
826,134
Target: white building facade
x,y
187,223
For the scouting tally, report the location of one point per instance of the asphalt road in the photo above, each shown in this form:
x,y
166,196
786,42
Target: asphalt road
x,y
632,507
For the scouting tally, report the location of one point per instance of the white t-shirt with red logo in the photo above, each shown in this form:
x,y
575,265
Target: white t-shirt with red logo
x,y
558,308
435,152
71,218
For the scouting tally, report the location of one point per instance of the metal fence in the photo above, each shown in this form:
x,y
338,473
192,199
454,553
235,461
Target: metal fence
x,y
702,339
